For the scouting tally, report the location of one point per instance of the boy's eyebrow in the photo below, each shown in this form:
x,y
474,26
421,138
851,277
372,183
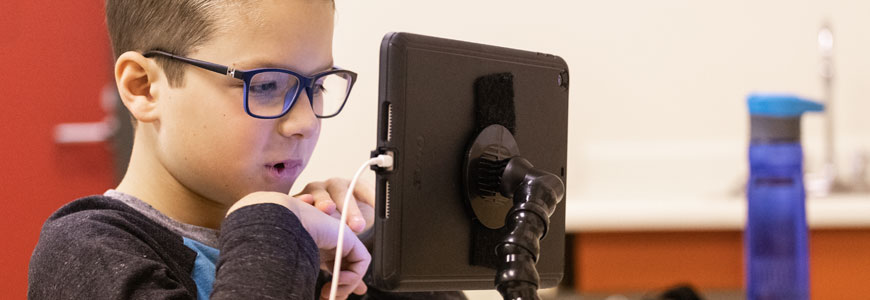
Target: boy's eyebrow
x,y
254,64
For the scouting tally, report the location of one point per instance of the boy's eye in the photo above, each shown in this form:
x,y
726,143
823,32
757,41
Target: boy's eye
x,y
269,85
319,88
262,87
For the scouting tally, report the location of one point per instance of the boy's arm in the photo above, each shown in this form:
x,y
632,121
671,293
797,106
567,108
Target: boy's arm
x,y
265,253
270,261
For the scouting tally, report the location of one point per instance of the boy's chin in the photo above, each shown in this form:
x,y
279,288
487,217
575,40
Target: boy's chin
x,y
280,187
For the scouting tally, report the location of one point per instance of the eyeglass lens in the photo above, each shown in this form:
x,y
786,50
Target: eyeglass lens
x,y
271,93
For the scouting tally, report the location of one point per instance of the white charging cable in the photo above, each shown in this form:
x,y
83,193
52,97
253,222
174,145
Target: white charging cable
x,y
383,161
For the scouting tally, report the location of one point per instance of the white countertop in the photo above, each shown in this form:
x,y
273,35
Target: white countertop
x,y
690,184
584,215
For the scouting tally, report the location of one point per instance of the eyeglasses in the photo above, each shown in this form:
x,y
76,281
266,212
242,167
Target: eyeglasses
x,y
270,93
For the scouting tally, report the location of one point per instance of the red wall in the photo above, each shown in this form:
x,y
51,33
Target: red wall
x,y
54,61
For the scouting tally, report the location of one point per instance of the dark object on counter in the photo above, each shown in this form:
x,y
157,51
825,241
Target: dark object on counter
x,y
680,292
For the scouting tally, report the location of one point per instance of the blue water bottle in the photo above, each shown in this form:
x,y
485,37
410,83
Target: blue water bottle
x,y
775,239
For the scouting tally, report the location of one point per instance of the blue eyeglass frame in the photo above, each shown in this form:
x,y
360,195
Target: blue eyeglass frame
x,y
307,82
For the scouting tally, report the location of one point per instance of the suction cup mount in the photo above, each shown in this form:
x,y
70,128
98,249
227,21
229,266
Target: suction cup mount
x,y
484,165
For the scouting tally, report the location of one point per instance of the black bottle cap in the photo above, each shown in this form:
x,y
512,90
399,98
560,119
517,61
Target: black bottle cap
x,y
764,129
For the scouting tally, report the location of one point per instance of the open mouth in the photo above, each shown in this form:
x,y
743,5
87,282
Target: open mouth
x,y
284,169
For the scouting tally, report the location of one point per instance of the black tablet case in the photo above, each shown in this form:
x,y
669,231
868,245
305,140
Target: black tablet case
x,y
426,118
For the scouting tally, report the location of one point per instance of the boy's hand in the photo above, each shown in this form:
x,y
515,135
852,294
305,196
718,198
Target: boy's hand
x,y
324,230
328,197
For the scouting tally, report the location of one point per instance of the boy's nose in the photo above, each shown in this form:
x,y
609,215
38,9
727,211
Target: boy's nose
x,y
300,120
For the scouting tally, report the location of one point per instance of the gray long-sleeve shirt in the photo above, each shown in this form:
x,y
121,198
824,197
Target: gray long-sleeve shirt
x,y
101,248
115,246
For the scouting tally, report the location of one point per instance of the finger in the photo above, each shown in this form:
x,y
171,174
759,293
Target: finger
x,y
348,282
361,289
364,192
307,198
324,202
317,185
368,214
338,191
324,231
324,292
356,258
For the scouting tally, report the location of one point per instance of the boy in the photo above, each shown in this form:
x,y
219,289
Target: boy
x,y
227,98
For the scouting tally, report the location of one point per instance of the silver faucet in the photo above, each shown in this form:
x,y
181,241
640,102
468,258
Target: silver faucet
x,y
827,181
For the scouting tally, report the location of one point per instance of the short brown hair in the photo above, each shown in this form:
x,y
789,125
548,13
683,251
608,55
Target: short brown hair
x,y
176,26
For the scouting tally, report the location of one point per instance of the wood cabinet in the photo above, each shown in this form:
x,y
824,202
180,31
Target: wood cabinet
x,y
711,260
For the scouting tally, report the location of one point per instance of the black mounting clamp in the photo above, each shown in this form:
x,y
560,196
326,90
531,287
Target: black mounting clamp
x,y
506,191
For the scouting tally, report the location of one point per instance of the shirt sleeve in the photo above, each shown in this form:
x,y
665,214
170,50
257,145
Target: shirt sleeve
x,y
99,255
265,254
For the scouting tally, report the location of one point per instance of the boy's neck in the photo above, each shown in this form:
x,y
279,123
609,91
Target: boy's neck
x,y
149,181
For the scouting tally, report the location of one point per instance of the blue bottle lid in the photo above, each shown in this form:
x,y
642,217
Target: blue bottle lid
x,y
776,118
780,105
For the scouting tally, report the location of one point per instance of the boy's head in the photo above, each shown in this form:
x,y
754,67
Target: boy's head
x,y
193,134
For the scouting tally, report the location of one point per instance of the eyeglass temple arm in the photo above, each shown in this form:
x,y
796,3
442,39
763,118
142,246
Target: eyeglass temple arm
x,y
220,69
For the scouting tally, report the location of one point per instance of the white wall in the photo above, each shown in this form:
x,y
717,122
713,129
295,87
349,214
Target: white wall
x,y
658,87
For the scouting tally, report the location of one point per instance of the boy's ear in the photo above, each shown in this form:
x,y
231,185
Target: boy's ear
x,y
136,76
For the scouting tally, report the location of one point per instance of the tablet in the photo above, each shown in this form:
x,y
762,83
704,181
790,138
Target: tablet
x,y
423,226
